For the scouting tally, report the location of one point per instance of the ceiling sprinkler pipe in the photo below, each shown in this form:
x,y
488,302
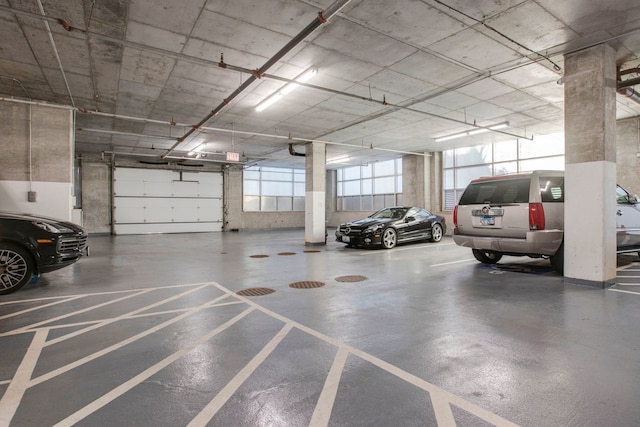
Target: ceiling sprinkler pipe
x,y
630,93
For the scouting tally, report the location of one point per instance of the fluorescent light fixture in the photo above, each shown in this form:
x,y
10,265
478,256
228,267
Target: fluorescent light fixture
x,y
479,130
288,88
339,159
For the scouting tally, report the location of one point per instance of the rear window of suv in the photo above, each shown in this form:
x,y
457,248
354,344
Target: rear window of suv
x,y
496,192
552,188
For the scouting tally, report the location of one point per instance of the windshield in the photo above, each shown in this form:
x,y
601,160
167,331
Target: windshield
x,y
390,213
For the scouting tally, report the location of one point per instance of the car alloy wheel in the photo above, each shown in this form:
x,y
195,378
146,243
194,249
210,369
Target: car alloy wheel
x,y
389,238
15,269
436,233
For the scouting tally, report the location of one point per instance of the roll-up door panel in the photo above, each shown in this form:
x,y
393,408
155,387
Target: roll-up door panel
x,y
161,201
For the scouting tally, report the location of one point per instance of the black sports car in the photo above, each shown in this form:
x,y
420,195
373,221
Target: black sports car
x,y
390,226
31,244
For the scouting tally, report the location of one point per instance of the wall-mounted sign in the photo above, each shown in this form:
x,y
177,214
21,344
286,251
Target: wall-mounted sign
x,y
233,157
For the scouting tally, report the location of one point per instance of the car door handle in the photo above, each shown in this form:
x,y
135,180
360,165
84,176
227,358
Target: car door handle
x,y
619,213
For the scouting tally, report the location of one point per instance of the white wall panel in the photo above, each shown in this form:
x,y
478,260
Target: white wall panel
x,y
161,201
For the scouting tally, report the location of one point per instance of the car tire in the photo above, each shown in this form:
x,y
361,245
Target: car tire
x,y
16,268
436,233
389,238
557,260
486,257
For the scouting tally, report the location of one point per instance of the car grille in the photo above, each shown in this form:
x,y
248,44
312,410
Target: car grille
x,y
350,229
72,244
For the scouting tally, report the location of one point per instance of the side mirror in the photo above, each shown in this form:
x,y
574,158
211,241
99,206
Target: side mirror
x,y
633,199
409,219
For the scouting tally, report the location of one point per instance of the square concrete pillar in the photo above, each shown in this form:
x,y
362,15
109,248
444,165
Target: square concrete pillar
x,y
590,168
315,194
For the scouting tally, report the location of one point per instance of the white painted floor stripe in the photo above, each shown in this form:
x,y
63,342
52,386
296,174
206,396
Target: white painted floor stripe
x,y
73,313
627,284
122,316
146,374
89,358
19,384
442,411
410,378
322,412
40,307
452,262
406,248
624,292
232,386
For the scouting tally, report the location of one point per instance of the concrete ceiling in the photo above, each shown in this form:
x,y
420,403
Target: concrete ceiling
x,y
392,75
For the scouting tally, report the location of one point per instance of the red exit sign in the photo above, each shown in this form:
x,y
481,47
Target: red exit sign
x,y
233,157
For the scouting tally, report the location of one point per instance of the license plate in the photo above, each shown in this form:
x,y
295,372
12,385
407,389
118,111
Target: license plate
x,y
346,239
487,220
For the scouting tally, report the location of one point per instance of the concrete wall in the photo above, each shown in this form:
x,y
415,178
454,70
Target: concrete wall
x,y
36,158
627,149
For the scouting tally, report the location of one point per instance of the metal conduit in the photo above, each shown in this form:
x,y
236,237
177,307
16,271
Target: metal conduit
x,y
322,18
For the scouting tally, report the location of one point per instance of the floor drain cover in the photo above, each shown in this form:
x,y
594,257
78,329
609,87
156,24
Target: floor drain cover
x,y
258,256
351,279
306,285
287,253
255,292
311,251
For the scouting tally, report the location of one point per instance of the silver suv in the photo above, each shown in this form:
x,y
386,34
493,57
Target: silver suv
x,y
523,215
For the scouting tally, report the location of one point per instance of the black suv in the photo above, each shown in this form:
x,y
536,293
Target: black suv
x,y
31,244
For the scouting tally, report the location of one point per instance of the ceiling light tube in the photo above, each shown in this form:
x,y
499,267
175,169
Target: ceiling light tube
x,y
288,88
478,130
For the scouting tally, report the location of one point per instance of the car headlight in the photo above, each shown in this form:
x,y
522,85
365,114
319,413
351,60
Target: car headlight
x,y
52,228
373,228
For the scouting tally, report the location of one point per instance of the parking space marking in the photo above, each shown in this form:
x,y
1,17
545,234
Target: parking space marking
x,y
441,400
40,307
19,384
148,373
407,248
209,411
322,412
623,291
89,358
436,392
453,262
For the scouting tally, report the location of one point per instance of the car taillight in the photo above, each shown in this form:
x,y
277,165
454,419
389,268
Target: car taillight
x,y
536,216
455,215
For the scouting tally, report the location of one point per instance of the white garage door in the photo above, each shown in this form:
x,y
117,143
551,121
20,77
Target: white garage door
x,y
164,201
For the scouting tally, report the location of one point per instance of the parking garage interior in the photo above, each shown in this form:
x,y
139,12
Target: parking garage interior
x,y
211,148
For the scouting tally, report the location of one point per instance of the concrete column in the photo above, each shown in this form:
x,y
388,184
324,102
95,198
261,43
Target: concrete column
x,y
96,196
233,193
434,182
315,202
590,169
413,180
627,154
36,160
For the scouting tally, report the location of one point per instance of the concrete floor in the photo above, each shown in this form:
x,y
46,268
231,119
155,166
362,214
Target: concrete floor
x,y
148,331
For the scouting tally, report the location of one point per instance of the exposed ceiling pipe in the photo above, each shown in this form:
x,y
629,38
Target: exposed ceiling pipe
x,y
293,152
322,18
55,51
630,93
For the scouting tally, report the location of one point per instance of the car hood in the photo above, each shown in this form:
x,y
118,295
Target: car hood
x,y
366,222
38,218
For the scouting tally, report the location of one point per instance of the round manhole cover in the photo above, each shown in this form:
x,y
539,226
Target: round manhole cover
x,y
255,292
258,256
287,253
306,285
311,251
351,279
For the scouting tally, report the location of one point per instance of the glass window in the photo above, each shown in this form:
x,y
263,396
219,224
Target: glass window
x,y
385,168
356,184
478,155
461,165
273,189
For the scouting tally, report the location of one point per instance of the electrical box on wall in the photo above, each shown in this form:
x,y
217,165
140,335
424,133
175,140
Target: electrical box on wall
x,y
31,196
